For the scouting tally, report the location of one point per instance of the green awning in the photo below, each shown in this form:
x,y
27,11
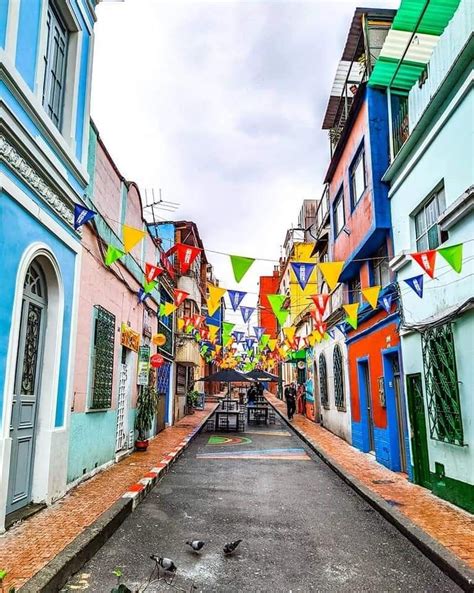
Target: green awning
x,y
429,19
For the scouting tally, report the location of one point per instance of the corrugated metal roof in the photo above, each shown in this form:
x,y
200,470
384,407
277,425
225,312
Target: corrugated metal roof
x,y
429,19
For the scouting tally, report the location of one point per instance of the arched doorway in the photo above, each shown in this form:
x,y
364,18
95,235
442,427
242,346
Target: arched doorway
x,y
27,386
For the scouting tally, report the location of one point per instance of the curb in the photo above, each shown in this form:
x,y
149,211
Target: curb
x,y
459,572
52,577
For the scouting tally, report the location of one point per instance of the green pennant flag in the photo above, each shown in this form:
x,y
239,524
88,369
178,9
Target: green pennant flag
x,y
453,255
204,349
240,266
149,286
352,321
161,312
113,254
276,302
264,340
226,340
188,329
227,328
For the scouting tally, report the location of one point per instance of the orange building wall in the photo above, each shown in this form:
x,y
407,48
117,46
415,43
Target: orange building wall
x,y
266,318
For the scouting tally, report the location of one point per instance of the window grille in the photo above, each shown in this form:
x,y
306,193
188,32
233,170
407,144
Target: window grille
x,y
55,65
441,381
323,381
355,294
102,358
339,395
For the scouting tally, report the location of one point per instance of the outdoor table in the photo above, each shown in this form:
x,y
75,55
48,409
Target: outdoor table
x,y
227,413
258,409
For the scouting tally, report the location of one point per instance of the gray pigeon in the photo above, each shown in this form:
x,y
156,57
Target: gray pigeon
x,y
166,564
230,548
197,545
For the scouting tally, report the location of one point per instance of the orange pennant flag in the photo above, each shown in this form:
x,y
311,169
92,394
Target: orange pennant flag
x,y
131,237
331,272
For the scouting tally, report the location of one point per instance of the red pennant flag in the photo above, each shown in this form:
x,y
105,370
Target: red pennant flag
x,y
426,259
152,272
316,315
186,255
180,296
322,327
197,320
321,301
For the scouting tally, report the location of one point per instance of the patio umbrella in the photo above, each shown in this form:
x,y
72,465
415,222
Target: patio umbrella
x,y
264,376
227,376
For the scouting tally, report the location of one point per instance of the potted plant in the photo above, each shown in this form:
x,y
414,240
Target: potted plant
x,y
192,398
147,405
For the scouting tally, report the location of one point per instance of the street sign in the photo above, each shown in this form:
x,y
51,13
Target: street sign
x,y
143,365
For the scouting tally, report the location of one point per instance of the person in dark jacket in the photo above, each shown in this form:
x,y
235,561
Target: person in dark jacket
x,y
290,396
251,395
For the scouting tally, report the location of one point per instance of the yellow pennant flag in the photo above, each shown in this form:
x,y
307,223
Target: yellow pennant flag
x,y
214,300
312,339
331,272
351,311
272,344
131,237
372,295
169,308
213,329
218,349
180,324
289,333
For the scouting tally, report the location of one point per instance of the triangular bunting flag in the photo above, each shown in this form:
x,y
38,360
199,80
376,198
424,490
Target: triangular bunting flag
x,y
371,295
264,340
213,331
186,255
258,332
276,302
331,272
240,266
82,215
113,254
416,284
142,295
272,344
249,343
453,255
302,272
332,334
351,311
149,286
342,328
321,301
181,323
215,295
180,296
386,302
197,320
227,328
426,259
161,312
131,237
289,333
169,308
235,297
239,336
152,272
247,313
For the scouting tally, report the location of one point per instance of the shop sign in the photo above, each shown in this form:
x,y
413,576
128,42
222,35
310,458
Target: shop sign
x,y
156,361
158,339
143,365
129,338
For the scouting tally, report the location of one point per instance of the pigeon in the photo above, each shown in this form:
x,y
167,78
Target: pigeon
x,y
196,545
166,564
230,548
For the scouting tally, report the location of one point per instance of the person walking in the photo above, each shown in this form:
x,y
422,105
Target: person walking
x,y
290,396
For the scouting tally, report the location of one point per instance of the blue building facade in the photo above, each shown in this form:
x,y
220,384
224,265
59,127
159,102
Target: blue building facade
x,y
45,64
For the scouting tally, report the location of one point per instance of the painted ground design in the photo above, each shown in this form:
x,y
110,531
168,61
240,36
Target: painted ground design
x,y
296,454
220,440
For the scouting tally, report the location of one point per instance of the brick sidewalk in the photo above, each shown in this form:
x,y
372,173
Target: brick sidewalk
x,y
451,527
29,546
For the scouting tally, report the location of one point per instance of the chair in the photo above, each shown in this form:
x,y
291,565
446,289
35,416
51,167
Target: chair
x,y
241,420
223,421
211,424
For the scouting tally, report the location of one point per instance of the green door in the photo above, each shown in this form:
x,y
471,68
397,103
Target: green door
x,y
419,443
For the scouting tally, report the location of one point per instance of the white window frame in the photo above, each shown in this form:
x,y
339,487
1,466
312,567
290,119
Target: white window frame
x,y
438,197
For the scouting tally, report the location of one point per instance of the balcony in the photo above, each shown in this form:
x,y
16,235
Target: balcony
x,y
187,350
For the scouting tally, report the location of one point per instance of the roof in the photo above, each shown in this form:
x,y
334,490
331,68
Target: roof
x,y
353,49
410,42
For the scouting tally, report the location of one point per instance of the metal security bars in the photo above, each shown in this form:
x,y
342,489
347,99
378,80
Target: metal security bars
x,y
323,381
102,359
441,382
339,395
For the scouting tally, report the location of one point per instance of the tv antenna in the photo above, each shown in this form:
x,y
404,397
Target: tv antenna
x,y
153,208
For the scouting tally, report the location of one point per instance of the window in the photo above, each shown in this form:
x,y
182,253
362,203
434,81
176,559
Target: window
x,y
323,381
380,267
102,363
355,294
357,177
338,378
55,65
338,210
441,382
428,233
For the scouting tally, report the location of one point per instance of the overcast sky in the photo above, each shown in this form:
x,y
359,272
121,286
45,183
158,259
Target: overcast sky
x,y
220,105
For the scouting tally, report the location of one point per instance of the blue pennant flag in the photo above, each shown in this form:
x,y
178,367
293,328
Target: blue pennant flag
x,y
247,313
82,215
212,321
386,302
142,295
236,297
416,283
238,336
249,343
302,272
332,333
259,331
342,328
